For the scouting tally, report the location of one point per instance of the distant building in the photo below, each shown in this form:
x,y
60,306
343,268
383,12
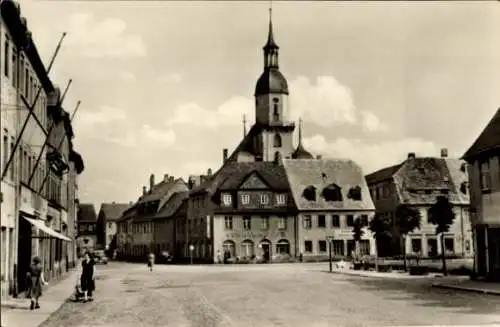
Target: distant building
x,y
484,175
417,182
106,222
87,229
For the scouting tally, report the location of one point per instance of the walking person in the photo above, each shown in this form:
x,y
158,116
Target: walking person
x,y
35,281
151,261
87,278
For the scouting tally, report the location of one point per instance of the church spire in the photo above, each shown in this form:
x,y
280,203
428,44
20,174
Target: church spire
x,y
271,48
300,132
301,152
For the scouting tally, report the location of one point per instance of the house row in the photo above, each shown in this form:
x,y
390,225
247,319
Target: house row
x,y
39,165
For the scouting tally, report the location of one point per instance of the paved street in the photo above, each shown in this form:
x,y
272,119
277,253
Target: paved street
x,y
268,295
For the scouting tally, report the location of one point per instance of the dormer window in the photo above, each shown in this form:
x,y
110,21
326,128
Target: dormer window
x,y
463,168
463,187
332,193
277,140
245,199
281,199
264,199
310,193
355,193
227,199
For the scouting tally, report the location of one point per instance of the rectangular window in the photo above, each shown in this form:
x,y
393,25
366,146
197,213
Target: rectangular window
x,y
32,92
308,246
14,69
21,75
264,199
350,220
449,245
228,222
12,165
364,220
307,222
416,245
264,223
335,221
227,199
282,223
26,83
281,199
432,249
338,247
245,199
485,175
322,246
6,53
321,221
5,146
247,223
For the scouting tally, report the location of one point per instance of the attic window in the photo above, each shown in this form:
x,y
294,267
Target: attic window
x,y
355,193
444,191
463,187
463,168
332,193
310,193
421,170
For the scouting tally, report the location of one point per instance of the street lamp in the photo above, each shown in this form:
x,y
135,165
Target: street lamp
x,y
330,239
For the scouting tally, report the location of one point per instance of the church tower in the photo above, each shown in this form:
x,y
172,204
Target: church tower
x,y
271,106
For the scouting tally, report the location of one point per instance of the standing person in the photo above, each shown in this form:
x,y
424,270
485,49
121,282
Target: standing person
x,y
35,281
151,261
87,279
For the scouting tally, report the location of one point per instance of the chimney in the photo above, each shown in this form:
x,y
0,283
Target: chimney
x,y
171,178
191,183
151,181
202,179
144,190
444,153
113,202
209,172
411,155
165,177
224,155
319,156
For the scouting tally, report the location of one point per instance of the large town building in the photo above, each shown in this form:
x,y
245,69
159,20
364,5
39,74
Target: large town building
x,y
417,182
484,175
106,222
39,174
86,240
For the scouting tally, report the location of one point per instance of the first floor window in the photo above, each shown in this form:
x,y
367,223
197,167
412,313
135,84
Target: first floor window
x,y
282,223
307,222
228,222
308,246
247,222
335,221
350,220
321,221
264,223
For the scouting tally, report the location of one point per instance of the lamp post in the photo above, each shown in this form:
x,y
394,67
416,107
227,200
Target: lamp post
x,y
330,239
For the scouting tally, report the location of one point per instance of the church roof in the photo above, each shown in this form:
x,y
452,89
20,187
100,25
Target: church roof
x,y
271,81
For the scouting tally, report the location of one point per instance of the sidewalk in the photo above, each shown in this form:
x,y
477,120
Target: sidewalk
x,y
396,275
16,312
470,286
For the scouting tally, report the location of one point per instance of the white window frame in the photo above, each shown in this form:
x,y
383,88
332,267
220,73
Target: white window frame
x,y
264,199
264,223
245,199
281,199
247,223
282,223
227,199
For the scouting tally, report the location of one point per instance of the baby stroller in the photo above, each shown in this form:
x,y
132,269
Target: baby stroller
x,y
78,293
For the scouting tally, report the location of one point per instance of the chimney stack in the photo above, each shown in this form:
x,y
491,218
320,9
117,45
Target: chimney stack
x,y
209,172
165,177
144,190
170,178
191,182
131,202
444,153
224,155
151,181
319,156
411,155
113,202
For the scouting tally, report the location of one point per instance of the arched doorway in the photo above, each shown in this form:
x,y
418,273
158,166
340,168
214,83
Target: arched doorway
x,y
265,246
229,247
283,247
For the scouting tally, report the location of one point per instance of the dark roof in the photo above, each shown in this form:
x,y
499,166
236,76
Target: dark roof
x,y
460,178
159,190
22,37
321,173
382,174
113,211
271,81
488,140
86,213
302,153
237,172
76,158
172,206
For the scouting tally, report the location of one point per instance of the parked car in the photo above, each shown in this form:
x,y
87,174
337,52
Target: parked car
x,y
164,257
100,257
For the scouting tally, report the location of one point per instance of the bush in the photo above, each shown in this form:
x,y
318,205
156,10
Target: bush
x,y
418,270
384,268
358,266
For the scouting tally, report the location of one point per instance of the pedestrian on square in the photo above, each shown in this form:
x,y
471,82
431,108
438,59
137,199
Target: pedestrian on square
x,y
87,278
151,261
35,281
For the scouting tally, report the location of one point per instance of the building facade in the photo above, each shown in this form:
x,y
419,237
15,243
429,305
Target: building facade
x,y
484,175
417,182
87,229
36,207
108,215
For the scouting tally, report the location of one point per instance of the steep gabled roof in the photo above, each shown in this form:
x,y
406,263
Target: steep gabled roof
x,y
488,140
320,173
172,206
159,191
236,173
86,213
460,178
113,211
382,174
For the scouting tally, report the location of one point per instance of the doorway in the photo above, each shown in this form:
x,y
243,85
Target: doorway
x,y
266,251
23,253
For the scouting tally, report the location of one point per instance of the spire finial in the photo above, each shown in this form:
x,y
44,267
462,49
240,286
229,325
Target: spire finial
x,y
270,37
244,125
300,131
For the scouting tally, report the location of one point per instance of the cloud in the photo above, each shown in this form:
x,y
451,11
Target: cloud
x,y
170,78
371,156
158,136
127,76
229,113
106,38
371,123
104,115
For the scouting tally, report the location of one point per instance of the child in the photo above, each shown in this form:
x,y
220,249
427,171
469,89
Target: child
x,y
151,261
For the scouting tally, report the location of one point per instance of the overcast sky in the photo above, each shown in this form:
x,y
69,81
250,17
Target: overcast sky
x,y
164,85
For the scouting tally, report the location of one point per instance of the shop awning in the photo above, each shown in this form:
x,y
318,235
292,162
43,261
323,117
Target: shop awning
x,y
40,224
